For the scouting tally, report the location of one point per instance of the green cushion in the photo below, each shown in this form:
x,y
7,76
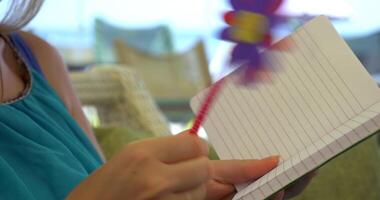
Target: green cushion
x,y
353,175
212,154
113,139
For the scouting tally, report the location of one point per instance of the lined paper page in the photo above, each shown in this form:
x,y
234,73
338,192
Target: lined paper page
x,y
319,87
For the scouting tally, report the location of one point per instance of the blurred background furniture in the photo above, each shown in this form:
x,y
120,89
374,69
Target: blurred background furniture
x,y
367,49
156,40
172,79
120,99
123,111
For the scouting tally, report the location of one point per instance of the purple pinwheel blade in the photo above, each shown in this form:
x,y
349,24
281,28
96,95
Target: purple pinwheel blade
x,y
225,34
249,5
246,53
243,53
259,6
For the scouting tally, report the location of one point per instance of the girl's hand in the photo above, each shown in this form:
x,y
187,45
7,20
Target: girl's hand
x,y
228,173
168,168
165,168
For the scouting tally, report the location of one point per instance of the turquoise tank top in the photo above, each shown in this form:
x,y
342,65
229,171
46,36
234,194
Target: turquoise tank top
x,y
44,154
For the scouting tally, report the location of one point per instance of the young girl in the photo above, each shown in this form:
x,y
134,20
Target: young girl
x,y
48,151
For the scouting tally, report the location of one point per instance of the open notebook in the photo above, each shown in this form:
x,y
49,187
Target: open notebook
x,y
318,104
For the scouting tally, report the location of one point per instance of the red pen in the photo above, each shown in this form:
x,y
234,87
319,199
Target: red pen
x,y
205,107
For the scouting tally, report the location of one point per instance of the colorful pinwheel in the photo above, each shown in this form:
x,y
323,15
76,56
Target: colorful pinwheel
x,y
251,23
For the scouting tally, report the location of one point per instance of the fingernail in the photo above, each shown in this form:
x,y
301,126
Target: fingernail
x,y
274,159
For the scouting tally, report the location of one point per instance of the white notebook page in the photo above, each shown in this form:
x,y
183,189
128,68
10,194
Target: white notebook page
x,y
320,87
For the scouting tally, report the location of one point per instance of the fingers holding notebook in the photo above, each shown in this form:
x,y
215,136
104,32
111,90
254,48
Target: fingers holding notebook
x,y
241,171
230,172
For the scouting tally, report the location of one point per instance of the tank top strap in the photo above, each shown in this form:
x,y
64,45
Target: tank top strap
x,y
21,49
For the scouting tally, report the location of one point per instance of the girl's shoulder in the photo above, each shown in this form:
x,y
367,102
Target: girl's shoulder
x,y
52,66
